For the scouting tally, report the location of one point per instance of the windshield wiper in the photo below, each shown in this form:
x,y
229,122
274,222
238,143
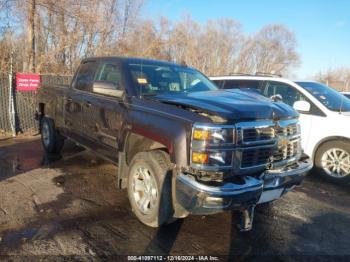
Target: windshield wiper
x,y
149,94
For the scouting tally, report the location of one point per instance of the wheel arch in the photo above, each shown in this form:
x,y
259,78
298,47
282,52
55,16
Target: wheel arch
x,y
325,140
135,143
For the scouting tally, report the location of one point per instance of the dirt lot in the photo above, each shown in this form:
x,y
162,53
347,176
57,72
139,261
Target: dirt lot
x,y
71,207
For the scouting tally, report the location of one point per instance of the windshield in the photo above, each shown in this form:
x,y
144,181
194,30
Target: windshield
x,y
154,79
327,96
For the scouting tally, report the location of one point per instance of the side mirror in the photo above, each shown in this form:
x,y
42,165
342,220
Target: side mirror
x,y
106,88
302,106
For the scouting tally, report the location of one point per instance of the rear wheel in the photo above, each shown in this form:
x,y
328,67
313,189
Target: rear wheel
x,y
149,188
332,161
52,141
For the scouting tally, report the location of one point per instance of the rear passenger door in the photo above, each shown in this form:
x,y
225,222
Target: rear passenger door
x,y
103,113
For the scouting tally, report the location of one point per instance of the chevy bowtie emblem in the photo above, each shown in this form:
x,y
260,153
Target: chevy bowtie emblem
x,y
282,142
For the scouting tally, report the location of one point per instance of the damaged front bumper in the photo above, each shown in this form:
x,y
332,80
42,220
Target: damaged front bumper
x,y
201,199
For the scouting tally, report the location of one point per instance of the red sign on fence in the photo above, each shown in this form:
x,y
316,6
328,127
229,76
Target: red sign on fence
x,y
27,82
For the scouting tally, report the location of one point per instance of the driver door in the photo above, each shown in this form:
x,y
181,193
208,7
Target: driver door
x,y
103,113
74,100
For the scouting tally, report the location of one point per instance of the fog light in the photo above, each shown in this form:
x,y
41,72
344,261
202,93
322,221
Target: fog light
x,y
200,158
219,157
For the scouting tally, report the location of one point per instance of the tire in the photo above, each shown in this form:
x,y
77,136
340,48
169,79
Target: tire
x,y
332,161
51,140
150,171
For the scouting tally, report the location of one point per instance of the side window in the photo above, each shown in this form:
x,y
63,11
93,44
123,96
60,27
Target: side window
x,y
219,83
109,72
289,94
85,76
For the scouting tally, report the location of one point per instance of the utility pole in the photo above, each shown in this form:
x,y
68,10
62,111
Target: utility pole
x,y
11,102
31,35
11,94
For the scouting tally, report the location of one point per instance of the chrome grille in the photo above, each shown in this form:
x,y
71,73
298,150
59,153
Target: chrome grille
x,y
255,157
289,151
258,134
261,156
262,144
290,130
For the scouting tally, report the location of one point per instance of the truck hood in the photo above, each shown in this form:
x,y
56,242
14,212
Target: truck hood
x,y
232,105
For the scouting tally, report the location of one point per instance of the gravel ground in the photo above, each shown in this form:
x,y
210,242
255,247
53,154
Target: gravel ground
x,y
70,208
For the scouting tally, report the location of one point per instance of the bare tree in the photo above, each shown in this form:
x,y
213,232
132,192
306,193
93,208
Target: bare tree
x,y
271,50
338,78
31,35
53,36
211,48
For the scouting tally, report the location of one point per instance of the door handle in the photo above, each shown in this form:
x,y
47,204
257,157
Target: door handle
x,y
88,104
69,99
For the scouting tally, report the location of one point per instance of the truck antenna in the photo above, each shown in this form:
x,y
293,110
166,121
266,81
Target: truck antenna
x,y
341,104
140,85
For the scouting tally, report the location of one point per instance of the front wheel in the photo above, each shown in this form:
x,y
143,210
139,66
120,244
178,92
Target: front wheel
x,y
332,161
149,188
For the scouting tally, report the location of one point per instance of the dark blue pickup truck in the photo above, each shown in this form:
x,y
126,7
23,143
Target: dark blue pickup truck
x,y
181,145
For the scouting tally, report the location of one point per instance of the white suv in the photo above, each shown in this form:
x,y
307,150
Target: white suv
x,y
324,118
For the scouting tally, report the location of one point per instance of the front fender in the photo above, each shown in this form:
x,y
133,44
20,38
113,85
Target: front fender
x,y
168,131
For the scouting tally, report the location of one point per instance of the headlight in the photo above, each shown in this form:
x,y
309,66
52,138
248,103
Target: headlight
x,y
215,135
212,145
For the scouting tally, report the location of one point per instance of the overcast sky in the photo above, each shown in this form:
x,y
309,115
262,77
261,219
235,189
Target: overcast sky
x,y
322,27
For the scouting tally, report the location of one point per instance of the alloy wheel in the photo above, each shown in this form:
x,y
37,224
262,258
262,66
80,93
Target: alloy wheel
x,y
144,190
336,162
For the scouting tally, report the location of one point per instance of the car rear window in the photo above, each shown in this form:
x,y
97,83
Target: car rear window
x,y
241,84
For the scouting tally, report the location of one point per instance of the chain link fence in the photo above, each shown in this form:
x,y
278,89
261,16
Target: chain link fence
x,y
5,117
24,104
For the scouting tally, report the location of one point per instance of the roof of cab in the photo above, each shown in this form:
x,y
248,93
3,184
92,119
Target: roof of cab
x,y
130,60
